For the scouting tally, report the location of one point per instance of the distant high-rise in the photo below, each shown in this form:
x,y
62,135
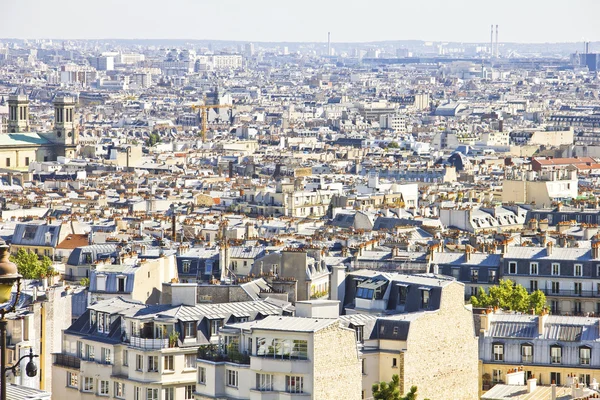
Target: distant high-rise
x,y
249,49
328,43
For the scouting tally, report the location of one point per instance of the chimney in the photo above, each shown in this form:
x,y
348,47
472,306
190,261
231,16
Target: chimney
x,y
492,42
595,250
497,49
531,385
467,253
485,321
553,388
549,248
542,322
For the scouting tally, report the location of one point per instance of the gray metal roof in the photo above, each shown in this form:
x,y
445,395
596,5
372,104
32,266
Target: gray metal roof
x,y
295,324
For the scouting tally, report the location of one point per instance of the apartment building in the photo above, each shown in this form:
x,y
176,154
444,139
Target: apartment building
x,y
568,276
549,348
127,350
281,358
415,326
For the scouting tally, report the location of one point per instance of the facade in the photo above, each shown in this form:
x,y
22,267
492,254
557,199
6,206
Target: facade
x,y
550,348
127,350
282,358
415,326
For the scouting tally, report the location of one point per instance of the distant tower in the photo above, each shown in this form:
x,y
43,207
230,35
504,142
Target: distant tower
x,y
328,44
497,48
18,113
65,132
492,42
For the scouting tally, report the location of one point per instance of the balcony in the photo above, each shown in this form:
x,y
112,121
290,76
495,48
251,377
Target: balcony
x,y
569,293
66,360
148,344
216,353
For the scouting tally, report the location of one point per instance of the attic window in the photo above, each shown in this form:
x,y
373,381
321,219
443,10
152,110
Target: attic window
x,y
395,330
29,232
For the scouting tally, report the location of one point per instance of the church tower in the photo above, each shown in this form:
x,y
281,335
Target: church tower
x,y
65,129
18,113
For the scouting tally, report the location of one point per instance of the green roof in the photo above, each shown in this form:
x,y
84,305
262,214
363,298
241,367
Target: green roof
x,y
22,139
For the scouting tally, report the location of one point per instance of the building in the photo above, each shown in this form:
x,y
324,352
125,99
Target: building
x,y
19,147
281,358
415,326
127,350
542,188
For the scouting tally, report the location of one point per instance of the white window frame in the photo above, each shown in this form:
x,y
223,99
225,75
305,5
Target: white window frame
x,y
576,267
169,363
189,361
151,394
553,358
72,380
153,364
511,265
294,384
552,269
202,375
103,387
189,392
125,357
119,390
530,355
264,382
139,362
169,393
584,360
106,355
498,351
231,378
88,384
534,268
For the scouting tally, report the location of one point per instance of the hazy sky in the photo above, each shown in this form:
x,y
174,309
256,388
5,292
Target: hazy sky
x,y
303,20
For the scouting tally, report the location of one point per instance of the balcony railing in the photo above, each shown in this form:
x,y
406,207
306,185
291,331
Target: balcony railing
x,y
570,293
217,353
66,360
148,344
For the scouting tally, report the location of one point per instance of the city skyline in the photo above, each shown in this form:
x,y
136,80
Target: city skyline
x,y
270,21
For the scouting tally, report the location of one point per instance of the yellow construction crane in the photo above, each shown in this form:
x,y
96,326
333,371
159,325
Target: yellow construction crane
x,y
203,113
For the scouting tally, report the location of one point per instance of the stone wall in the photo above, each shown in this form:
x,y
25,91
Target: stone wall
x,y
442,357
337,368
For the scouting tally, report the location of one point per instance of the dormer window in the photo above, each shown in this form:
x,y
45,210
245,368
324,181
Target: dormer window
x,y
101,283
424,298
186,266
121,283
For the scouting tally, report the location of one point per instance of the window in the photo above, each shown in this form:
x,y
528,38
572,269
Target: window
x,y
106,359
474,275
555,287
498,352
119,390
359,330
496,376
512,267
7,162
585,355
151,394
215,324
363,365
125,358
189,329
526,353
190,361
139,362
202,375
26,161
189,392
80,350
88,384
533,268
456,273
394,362
402,292
555,378
152,363
103,389
186,267
168,363
282,348
578,270
100,322
555,269
89,352
264,382
294,384
577,286
554,307
555,354
72,380
137,393
492,277
533,286
121,284
585,379
231,378
170,393
424,298
101,283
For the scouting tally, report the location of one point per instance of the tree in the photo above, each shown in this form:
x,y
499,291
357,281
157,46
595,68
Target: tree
x,y
153,139
509,296
391,390
31,266
393,145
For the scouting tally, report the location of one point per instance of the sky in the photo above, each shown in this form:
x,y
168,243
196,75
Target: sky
x,y
524,21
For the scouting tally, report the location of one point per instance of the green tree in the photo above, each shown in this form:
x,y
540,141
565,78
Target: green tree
x,y
31,266
85,282
153,139
393,145
391,390
509,296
